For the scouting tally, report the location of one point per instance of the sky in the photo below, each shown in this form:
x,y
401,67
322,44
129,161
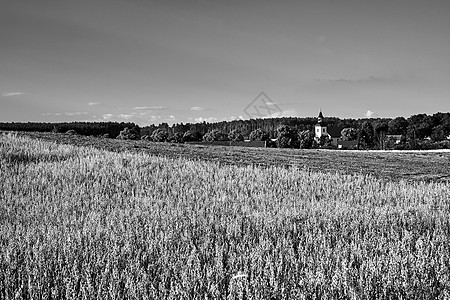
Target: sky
x,y
169,61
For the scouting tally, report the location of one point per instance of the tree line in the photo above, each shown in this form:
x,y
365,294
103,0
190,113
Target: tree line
x,y
105,129
420,131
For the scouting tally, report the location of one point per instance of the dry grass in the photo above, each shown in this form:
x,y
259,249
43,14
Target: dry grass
x,y
78,222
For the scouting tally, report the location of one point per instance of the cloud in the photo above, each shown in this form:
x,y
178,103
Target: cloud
x,y
94,103
149,108
197,108
201,119
76,113
107,116
369,114
125,116
120,116
154,118
10,94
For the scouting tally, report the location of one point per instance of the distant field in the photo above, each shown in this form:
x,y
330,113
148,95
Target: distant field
x,y
419,165
83,223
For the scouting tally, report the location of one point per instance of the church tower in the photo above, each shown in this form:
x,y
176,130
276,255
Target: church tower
x,y
320,128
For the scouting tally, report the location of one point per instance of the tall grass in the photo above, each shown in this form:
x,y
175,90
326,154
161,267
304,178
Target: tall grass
x,y
81,223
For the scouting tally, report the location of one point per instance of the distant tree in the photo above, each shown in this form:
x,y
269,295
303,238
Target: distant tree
x,y
160,135
192,136
349,134
306,139
285,137
215,135
366,135
381,129
398,126
235,135
439,133
259,135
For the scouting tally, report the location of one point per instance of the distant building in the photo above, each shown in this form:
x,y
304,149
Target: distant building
x,y
347,145
321,128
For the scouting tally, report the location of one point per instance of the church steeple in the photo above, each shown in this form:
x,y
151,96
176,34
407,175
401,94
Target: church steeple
x,y
321,127
320,117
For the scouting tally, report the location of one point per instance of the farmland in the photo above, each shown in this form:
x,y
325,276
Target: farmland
x,y
106,219
411,166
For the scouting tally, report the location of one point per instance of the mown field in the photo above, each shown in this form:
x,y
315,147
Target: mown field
x,y
84,222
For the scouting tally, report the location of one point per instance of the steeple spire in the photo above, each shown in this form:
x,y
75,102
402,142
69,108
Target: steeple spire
x,y
320,117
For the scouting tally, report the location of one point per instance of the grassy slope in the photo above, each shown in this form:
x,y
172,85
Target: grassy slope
x,y
77,222
427,166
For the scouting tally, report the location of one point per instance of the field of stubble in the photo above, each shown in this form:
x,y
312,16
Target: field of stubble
x,y
79,222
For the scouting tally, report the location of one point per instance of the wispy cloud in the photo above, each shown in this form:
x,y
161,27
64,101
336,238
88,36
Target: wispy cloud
x,y
76,113
111,117
67,113
10,94
92,103
149,108
370,79
51,114
197,108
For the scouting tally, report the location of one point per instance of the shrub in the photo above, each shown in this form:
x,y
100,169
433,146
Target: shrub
x,y
192,136
215,135
128,134
160,135
259,135
235,135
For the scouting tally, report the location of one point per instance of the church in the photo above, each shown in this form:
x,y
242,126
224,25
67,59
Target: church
x,y
321,128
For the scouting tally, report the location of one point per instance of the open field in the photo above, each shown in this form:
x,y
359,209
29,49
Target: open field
x,y
80,222
418,165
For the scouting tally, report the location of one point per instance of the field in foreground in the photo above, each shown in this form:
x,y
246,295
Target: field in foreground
x,y
79,222
411,166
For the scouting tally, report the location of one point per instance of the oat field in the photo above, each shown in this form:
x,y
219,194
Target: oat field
x,y
84,223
